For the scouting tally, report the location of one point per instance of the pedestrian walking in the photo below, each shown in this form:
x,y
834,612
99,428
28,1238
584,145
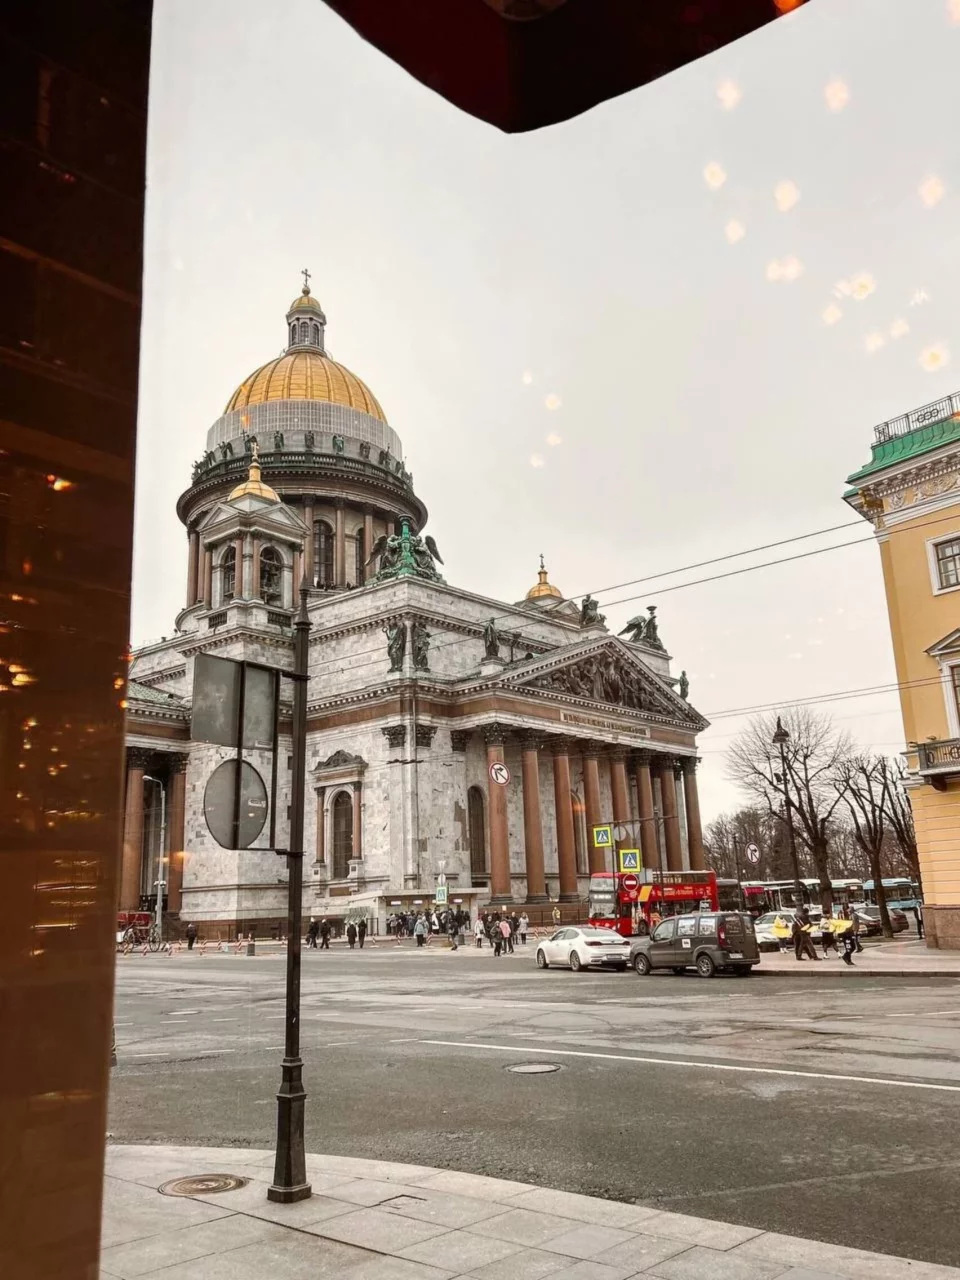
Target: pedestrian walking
x,y
351,935
802,941
524,926
362,933
851,914
312,930
478,932
324,935
496,937
556,917
828,938
191,935
506,934
453,928
918,917
420,931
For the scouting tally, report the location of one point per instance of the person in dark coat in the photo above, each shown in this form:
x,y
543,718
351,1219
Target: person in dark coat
x,y
802,941
362,933
918,917
191,935
351,934
324,935
312,930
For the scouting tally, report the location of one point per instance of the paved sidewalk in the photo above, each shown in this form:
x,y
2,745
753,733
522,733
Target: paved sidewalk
x,y
374,1220
898,959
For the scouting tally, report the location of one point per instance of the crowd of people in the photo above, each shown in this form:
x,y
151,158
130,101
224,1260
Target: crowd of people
x,y
499,929
839,933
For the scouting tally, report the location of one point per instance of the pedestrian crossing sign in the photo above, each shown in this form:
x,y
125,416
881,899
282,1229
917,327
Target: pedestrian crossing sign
x,y
629,860
603,837
440,895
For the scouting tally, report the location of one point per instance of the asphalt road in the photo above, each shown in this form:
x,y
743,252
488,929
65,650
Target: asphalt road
x,y
823,1108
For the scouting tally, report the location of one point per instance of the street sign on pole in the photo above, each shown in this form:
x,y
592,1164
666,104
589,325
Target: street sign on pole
x,y
630,884
440,895
603,837
753,853
499,773
629,860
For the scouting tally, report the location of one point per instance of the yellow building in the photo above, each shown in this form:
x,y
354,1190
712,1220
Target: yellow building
x,y
910,493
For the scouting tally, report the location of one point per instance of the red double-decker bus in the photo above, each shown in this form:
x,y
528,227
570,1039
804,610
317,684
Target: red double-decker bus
x,y
623,903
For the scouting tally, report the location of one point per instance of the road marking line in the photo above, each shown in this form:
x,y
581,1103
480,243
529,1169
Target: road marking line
x,y
706,1066
405,1040
225,1019
924,1013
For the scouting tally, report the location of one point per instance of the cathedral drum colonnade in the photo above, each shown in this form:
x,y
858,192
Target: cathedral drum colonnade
x,y
417,687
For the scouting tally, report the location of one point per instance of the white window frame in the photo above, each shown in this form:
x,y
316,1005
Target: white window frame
x,y
932,544
951,695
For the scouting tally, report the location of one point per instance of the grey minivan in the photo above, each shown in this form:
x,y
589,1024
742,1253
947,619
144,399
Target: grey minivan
x,y
706,941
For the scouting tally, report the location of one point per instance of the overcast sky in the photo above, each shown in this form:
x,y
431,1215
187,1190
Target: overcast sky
x,y
656,334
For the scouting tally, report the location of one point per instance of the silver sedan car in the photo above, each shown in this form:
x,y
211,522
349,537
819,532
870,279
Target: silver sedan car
x,y
585,948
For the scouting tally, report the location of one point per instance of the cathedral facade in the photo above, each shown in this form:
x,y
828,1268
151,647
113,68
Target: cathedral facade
x,y
450,737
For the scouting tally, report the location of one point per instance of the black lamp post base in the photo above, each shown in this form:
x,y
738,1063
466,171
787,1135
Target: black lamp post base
x,y
289,1195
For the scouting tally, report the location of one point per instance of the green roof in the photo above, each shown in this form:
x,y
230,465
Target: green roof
x,y
144,693
912,444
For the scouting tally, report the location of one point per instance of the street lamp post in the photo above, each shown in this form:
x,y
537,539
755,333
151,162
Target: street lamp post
x,y
161,882
290,1168
780,739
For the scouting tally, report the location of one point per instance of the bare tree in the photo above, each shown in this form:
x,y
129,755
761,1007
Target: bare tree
x,y
862,782
899,815
813,754
730,833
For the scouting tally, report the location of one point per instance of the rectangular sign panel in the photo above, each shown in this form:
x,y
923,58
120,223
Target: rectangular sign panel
x,y
629,860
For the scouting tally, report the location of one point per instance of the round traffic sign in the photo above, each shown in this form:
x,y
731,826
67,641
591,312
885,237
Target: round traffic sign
x,y
499,773
753,853
629,883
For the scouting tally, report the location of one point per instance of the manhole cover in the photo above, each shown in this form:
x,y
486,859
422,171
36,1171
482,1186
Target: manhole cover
x,y
534,1068
203,1184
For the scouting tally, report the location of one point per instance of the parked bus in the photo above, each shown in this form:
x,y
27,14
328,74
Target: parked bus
x,y
899,892
667,893
781,895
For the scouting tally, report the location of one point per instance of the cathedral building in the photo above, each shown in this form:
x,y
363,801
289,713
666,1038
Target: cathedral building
x,y
451,738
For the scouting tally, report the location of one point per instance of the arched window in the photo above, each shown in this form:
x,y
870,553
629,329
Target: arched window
x,y
579,832
360,549
228,572
323,553
271,576
315,334
342,834
477,834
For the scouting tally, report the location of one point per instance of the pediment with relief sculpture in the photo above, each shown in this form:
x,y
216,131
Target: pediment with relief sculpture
x,y
609,675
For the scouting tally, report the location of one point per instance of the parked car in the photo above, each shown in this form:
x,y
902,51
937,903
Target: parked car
x,y
708,942
768,939
584,949
870,917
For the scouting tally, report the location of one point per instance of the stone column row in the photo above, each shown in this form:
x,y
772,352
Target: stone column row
x,y
139,761
645,765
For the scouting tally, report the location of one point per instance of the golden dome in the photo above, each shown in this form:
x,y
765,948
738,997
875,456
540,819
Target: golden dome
x,y
253,486
544,589
306,299
305,375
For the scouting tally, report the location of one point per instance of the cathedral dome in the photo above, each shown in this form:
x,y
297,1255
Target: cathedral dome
x,y
305,374
543,589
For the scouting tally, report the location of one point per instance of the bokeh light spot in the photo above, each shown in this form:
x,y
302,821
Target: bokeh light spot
x,y
862,286
734,231
786,194
836,95
930,191
934,357
729,93
714,175
552,401
536,460
899,328
526,377
553,439
832,314
874,341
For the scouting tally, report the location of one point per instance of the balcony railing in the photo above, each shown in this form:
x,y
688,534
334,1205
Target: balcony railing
x,y
939,760
936,411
